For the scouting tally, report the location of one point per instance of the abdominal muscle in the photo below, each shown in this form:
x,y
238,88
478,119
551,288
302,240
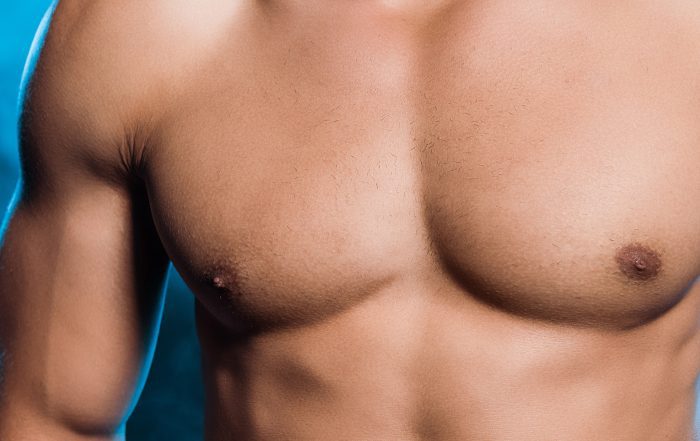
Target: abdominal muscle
x,y
420,360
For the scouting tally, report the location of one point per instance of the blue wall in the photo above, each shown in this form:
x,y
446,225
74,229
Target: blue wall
x,y
171,405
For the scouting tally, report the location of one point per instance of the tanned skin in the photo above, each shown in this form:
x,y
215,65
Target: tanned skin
x,y
409,220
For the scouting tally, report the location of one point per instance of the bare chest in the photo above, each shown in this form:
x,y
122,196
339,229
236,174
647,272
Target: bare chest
x,y
555,178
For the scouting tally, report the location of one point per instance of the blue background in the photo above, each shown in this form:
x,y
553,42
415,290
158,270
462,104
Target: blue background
x,y
171,404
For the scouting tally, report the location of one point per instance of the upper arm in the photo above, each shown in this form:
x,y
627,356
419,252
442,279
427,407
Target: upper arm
x,y
81,266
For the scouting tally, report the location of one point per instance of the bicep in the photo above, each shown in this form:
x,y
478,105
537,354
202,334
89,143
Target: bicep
x,y
81,271
81,292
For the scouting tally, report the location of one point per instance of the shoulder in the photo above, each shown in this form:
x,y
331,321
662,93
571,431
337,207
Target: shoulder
x,y
133,45
102,71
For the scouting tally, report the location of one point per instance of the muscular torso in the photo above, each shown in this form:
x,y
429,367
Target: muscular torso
x,y
471,221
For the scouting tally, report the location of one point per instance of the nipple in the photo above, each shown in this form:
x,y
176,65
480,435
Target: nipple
x,y
218,282
638,262
219,276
